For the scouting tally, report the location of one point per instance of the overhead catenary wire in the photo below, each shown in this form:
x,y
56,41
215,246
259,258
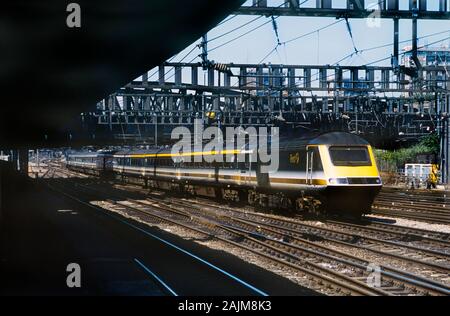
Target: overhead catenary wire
x,y
299,37
231,17
387,58
372,62
240,36
345,57
360,52
387,45
349,29
235,29
181,60
246,33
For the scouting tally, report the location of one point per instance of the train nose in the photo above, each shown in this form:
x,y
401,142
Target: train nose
x,y
338,181
353,180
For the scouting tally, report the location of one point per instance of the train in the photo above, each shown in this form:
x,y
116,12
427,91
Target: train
x,y
333,172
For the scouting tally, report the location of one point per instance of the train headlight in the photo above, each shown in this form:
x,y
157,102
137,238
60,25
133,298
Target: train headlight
x,y
338,181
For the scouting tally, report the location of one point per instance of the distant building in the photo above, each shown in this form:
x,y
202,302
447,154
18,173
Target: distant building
x,y
428,56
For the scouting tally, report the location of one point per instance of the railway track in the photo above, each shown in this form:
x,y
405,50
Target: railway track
x,y
431,239
288,247
424,206
233,238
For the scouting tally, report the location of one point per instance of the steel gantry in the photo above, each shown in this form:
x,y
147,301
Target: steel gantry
x,y
437,9
360,98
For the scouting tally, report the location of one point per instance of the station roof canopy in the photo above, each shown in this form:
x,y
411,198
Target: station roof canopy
x,y
50,73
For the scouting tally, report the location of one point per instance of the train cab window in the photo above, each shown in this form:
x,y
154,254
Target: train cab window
x,y
317,163
350,156
317,160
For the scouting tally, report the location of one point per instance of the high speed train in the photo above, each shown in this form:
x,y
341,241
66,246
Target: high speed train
x,y
328,172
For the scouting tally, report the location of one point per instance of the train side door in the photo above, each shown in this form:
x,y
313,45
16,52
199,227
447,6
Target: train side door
x,y
262,178
309,165
244,169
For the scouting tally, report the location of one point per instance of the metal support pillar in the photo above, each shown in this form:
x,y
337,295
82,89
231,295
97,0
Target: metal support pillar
x,y
421,5
391,5
15,159
355,4
323,4
145,77
23,161
260,3
194,75
417,64
414,34
161,75
445,139
395,61
178,75
292,4
442,5
447,142
155,122
204,54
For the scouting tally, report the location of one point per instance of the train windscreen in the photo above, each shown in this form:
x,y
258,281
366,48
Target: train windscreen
x,y
350,156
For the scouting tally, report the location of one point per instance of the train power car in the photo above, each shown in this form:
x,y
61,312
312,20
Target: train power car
x,y
330,172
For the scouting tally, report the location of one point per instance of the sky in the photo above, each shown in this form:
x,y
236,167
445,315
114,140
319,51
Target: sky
x,y
326,46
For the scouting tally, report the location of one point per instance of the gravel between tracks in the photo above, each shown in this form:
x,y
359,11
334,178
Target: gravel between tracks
x,y
414,224
246,256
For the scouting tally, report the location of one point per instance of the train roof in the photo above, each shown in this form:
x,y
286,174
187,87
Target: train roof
x,y
83,154
339,138
328,138
152,150
90,153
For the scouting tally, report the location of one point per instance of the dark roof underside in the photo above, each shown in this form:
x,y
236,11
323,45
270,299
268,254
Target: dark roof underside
x,y
50,73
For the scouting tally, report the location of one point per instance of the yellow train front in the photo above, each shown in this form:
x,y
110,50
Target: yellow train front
x,y
323,173
349,172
